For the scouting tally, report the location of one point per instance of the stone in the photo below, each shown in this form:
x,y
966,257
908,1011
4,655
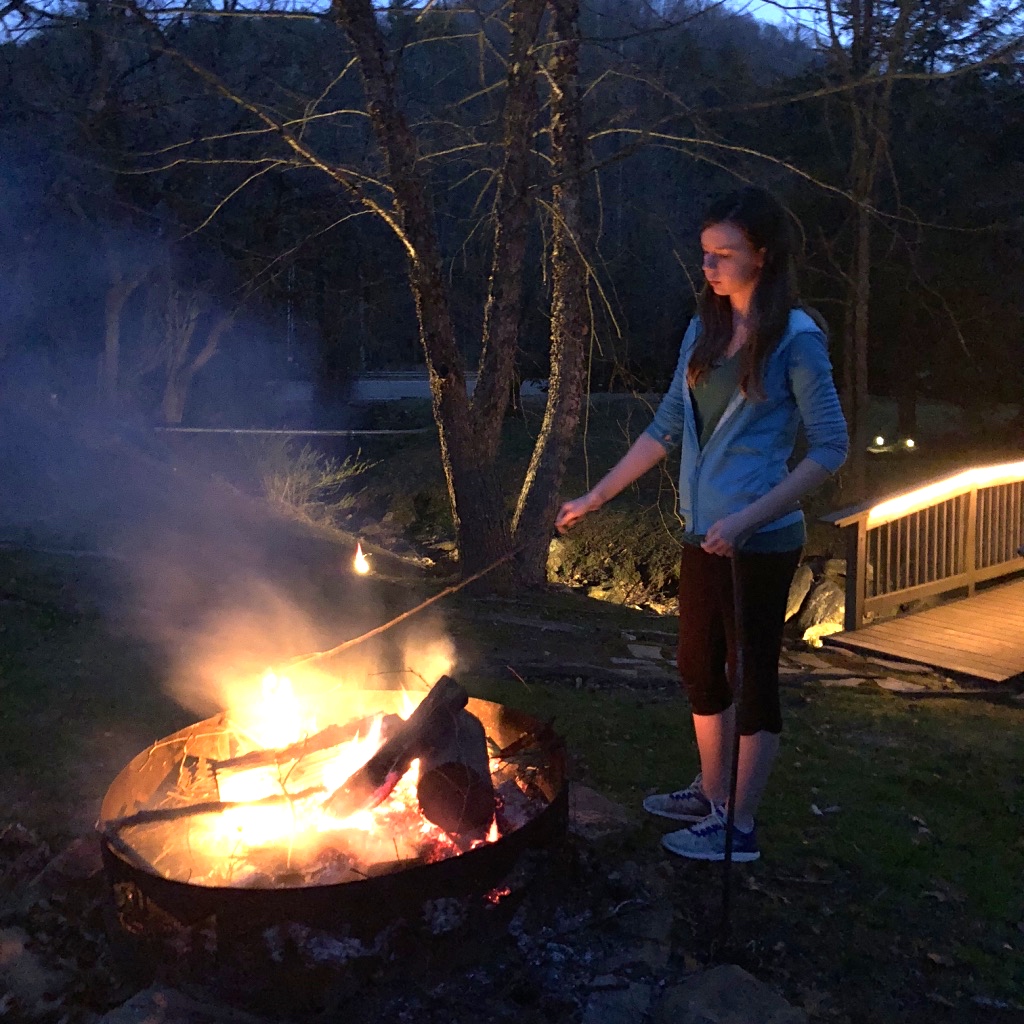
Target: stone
x,y
900,685
799,589
826,603
161,1005
592,815
649,651
725,995
618,1006
835,568
899,666
844,681
24,975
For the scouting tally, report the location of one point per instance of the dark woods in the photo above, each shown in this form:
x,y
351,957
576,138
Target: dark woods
x,y
196,201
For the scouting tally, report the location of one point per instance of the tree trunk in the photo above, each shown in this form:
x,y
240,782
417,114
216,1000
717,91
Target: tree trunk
x,y
570,322
512,219
473,486
118,293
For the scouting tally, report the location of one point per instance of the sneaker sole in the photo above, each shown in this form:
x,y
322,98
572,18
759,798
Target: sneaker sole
x,y
738,857
676,817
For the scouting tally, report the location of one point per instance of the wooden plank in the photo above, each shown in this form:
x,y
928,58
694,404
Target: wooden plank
x,y
982,636
949,638
930,656
940,654
940,635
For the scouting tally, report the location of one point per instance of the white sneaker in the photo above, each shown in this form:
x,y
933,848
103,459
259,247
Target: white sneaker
x,y
688,804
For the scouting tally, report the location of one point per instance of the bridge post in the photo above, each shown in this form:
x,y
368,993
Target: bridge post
x,y
856,574
970,555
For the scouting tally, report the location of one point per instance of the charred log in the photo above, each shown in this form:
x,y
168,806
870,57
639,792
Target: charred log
x,y
378,777
455,788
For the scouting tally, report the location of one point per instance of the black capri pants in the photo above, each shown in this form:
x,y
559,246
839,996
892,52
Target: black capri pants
x,y
707,634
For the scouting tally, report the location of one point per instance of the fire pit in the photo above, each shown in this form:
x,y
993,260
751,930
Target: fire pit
x,y
340,829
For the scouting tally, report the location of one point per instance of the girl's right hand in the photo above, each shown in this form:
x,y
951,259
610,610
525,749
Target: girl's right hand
x,y
573,511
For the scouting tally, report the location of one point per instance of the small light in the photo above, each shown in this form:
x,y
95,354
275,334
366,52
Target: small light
x,y
879,440
360,563
909,442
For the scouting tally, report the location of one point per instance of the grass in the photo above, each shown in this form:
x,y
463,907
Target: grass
x,y
911,884
912,880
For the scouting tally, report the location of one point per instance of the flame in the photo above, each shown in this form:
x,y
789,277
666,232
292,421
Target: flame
x,y
360,563
293,827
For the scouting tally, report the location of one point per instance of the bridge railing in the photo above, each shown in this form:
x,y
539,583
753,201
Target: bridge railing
x,y
947,535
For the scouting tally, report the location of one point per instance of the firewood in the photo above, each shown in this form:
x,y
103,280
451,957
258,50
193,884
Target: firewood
x,y
331,736
150,817
378,777
455,788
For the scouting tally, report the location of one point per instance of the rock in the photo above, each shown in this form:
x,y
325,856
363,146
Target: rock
x,y
725,995
900,685
618,1006
645,651
844,681
825,605
835,568
799,589
815,634
592,815
160,1005
899,666
24,975
652,925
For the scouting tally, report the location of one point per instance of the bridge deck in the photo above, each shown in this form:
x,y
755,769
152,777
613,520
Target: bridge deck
x,y
981,636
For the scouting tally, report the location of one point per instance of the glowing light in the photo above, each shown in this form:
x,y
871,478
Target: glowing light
x,y
909,442
942,490
360,562
879,440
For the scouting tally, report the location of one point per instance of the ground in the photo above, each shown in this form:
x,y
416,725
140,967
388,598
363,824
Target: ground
x,y
889,889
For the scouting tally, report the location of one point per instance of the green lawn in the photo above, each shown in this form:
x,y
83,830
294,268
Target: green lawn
x,y
911,876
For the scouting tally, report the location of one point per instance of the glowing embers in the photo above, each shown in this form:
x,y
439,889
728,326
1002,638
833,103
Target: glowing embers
x,y
250,800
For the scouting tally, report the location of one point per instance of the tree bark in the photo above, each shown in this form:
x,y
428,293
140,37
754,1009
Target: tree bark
x,y
570,322
118,293
512,219
473,487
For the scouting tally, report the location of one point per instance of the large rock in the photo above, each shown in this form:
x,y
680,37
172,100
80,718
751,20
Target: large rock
x,y
824,610
799,589
618,1006
160,1005
725,995
592,815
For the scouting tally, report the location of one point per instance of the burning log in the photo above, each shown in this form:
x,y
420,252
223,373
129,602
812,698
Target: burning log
x,y
378,777
332,736
455,789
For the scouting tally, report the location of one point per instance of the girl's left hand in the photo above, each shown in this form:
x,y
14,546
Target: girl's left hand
x,y
725,535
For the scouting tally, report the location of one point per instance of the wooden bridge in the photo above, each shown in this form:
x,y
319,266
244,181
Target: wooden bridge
x,y
959,537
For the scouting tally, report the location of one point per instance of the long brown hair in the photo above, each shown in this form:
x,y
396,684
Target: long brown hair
x,y
761,218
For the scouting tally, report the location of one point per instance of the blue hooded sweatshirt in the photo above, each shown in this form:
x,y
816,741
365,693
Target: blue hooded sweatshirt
x,y
748,453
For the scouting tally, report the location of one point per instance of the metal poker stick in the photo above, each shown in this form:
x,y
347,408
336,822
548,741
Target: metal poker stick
x,y
740,635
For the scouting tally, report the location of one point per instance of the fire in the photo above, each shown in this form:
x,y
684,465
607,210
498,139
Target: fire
x,y
360,563
273,793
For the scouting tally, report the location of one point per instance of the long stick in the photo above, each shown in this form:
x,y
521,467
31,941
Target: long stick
x,y
734,763
114,825
304,658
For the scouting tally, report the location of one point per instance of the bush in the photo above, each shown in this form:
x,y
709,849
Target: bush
x,y
628,557
307,483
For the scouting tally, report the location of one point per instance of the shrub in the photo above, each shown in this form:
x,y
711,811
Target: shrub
x,y
306,482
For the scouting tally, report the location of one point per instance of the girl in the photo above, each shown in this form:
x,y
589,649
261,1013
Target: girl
x,y
753,365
